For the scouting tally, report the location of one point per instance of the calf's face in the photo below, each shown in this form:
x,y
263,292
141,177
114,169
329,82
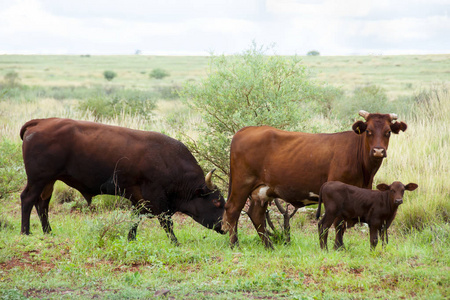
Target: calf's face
x,y
396,190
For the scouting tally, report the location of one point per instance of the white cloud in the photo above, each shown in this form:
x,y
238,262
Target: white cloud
x,y
225,26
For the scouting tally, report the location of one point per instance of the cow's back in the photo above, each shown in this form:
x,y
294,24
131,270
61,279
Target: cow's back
x,y
87,155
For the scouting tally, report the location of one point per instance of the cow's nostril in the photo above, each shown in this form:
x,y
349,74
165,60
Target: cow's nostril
x,y
379,152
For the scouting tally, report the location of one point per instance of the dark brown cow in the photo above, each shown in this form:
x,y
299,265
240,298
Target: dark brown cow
x,y
157,173
345,205
269,163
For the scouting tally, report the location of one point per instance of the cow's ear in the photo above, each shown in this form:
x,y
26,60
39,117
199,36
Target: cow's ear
x,y
359,127
383,187
397,126
199,192
411,186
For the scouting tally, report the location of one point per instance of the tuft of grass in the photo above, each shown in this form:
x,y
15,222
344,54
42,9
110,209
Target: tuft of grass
x,y
12,177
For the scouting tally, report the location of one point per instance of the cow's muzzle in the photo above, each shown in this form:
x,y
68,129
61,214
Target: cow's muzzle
x,y
379,152
398,201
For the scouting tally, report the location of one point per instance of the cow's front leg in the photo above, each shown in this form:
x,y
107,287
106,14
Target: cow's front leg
x,y
133,231
233,209
166,222
257,214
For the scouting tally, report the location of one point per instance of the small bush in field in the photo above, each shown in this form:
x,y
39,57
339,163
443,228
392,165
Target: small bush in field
x,y
158,73
370,98
12,79
168,92
109,75
112,103
313,53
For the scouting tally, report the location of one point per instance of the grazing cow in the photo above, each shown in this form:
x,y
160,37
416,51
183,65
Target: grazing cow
x,y
267,163
345,205
157,173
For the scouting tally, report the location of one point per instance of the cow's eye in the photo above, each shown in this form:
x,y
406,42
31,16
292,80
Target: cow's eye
x,y
369,133
388,134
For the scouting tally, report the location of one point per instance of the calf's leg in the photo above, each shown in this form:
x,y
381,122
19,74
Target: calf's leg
x,y
384,236
339,225
324,226
373,237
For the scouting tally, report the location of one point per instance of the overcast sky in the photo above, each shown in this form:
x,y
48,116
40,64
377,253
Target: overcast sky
x,y
198,27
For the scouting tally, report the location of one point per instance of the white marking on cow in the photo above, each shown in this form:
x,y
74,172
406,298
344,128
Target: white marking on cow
x,y
311,194
29,136
262,193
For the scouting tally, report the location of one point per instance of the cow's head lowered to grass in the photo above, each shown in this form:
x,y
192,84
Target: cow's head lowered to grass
x,y
377,130
207,205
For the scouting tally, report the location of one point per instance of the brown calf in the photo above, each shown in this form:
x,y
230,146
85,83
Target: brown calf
x,y
345,205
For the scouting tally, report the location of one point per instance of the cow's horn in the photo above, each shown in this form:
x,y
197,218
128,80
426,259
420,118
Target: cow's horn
x,y
208,181
393,117
364,114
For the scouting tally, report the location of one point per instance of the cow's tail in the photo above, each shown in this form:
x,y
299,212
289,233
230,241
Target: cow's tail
x,y
320,205
26,125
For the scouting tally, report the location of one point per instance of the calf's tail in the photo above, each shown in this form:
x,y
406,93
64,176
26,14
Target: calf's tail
x,y
320,205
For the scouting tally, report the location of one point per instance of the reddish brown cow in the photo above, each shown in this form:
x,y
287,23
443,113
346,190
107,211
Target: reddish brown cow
x,y
345,205
271,163
157,173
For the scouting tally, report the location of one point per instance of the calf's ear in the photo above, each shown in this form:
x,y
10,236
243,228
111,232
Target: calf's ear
x,y
411,186
397,126
359,127
383,187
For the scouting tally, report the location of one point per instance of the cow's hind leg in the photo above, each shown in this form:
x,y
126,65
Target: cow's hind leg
x,y
42,207
31,196
257,214
339,225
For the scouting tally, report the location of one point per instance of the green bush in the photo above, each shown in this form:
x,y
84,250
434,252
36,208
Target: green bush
x,y
12,79
242,90
112,103
313,53
168,92
12,173
111,225
370,98
158,73
109,75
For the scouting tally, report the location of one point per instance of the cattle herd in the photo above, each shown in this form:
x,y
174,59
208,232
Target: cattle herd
x,y
160,176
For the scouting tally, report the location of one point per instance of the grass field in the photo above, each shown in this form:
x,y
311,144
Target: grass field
x,y
81,259
399,75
